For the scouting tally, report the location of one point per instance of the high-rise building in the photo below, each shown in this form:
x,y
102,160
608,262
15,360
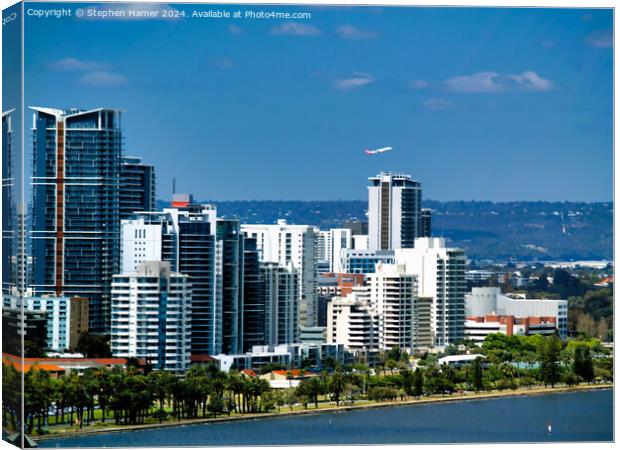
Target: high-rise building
x,y
296,244
254,300
331,243
184,236
137,186
394,203
441,276
392,292
9,243
355,323
151,316
75,230
425,222
280,290
229,273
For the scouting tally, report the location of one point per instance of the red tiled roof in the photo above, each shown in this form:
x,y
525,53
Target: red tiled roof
x,y
249,372
102,361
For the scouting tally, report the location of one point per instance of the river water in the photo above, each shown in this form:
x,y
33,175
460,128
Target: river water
x,y
577,416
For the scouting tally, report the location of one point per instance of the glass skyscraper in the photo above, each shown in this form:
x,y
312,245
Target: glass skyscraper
x,y
75,206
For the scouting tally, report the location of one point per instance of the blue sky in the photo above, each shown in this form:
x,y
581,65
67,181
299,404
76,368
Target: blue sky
x,y
484,104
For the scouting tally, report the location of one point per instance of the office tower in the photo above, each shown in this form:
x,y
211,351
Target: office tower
x,y
254,300
229,272
137,186
441,276
333,241
151,316
9,244
392,292
394,203
425,222
75,229
183,235
280,289
296,244
66,318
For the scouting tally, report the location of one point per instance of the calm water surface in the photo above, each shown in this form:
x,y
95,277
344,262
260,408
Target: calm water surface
x,y
580,416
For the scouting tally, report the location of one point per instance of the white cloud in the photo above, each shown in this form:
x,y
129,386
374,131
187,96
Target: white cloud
x,y
493,82
600,39
419,84
103,78
437,104
75,65
296,29
351,32
359,79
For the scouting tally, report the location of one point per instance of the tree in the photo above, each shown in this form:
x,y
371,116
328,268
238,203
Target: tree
x,y
408,380
418,382
216,404
603,330
94,346
337,386
311,387
586,325
476,375
583,365
549,359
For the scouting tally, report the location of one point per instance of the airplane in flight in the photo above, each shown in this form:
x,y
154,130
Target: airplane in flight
x,y
377,151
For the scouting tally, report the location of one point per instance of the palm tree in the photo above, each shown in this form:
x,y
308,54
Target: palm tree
x,y
235,386
259,387
337,386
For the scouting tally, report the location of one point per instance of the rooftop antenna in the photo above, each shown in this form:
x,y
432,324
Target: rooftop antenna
x,y
174,185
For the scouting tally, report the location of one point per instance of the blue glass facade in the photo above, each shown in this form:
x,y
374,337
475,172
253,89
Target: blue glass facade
x,y
75,228
137,187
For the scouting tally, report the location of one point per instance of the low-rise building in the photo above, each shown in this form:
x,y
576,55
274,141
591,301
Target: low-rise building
x,y
485,301
66,318
478,328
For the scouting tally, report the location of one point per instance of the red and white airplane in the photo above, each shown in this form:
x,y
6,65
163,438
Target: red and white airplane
x,y
377,151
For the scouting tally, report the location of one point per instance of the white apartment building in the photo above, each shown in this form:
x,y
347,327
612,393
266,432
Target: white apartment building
x,y
330,244
440,271
353,322
385,313
283,243
280,290
485,301
394,218
392,292
151,316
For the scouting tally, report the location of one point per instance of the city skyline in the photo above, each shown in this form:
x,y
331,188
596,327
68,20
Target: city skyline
x,y
535,83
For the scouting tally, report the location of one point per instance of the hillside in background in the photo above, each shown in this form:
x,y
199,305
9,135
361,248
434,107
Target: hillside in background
x,y
487,230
